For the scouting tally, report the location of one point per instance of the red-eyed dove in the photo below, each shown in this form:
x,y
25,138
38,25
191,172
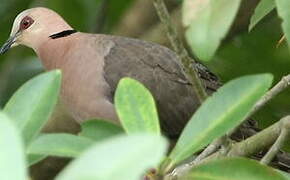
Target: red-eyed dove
x,y
93,64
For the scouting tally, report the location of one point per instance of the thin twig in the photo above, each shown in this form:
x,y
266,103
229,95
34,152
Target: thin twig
x,y
187,62
185,167
279,87
213,147
285,130
245,148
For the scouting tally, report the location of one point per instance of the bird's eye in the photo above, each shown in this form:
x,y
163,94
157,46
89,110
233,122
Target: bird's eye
x,y
26,23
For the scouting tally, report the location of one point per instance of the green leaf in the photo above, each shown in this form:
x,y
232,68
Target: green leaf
x,y
192,9
264,7
210,26
136,107
221,112
255,52
99,130
233,169
34,158
284,13
12,159
119,158
31,106
284,174
62,145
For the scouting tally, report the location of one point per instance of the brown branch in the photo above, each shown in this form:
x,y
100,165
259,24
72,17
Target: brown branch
x,y
285,130
187,63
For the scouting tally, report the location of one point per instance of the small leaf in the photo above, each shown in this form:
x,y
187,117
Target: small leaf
x,y
136,107
31,106
99,130
233,169
226,109
284,13
284,174
62,145
264,7
118,158
12,158
210,26
34,158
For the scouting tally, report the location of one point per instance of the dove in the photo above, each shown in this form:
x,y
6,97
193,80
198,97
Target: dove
x,y
93,64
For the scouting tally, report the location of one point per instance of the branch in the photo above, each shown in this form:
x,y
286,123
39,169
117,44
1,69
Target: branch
x,y
213,147
279,87
156,32
285,123
187,63
245,148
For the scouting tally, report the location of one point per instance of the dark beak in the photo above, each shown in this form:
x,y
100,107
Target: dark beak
x,y
8,44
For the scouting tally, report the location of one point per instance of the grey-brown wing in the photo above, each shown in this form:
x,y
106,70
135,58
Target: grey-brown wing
x,y
157,68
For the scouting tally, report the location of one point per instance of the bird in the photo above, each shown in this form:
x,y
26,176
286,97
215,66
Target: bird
x,y
93,64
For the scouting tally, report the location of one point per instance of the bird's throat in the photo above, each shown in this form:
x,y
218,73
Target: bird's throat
x,y
62,34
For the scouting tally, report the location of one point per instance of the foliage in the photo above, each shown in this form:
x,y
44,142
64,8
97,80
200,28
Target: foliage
x,y
214,119
235,168
209,25
136,108
148,150
263,8
102,150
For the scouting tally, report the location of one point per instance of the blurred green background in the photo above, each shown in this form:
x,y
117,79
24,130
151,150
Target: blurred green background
x,y
241,53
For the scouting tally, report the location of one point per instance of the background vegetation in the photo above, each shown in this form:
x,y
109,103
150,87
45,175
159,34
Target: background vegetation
x,y
244,50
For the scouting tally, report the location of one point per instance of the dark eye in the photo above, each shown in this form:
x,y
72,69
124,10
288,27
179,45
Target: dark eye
x,y
26,23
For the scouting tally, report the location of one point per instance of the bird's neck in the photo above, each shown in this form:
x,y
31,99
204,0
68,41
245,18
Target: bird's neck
x,y
53,51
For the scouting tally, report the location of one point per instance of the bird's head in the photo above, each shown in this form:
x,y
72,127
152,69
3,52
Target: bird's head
x,y
33,27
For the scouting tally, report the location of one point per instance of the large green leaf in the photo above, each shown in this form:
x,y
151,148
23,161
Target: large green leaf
x,y
31,106
16,73
99,130
256,52
284,13
233,169
62,145
221,112
120,158
12,159
210,26
263,8
136,107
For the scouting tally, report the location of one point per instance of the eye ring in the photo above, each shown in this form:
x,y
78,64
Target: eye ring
x,y
26,22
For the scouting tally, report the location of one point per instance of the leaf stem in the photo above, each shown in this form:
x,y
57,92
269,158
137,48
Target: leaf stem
x,y
187,63
285,131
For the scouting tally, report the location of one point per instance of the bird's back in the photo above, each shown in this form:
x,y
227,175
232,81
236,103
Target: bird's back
x,y
158,69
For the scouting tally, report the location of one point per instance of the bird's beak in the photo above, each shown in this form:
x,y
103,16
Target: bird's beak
x,y
9,43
